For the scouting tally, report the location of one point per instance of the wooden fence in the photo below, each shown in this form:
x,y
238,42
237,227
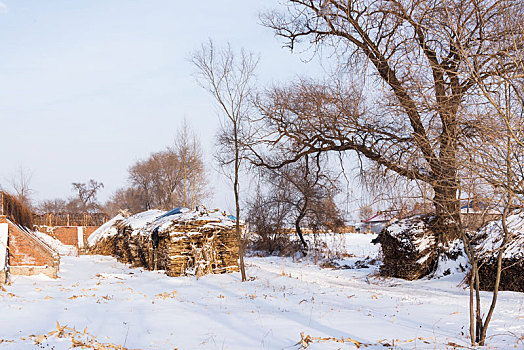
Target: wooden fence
x,y
70,219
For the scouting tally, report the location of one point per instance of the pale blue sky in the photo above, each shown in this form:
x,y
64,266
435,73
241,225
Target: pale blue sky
x,y
87,87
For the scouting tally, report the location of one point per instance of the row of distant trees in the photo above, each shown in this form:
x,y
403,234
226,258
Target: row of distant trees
x,y
165,179
83,198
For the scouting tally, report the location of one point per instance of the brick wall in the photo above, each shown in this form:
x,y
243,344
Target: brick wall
x,y
25,249
68,234
27,252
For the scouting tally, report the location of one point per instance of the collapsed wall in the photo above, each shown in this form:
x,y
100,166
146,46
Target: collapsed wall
x,y
181,241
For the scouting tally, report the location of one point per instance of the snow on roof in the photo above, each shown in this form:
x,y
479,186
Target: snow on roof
x,y
382,216
491,235
144,223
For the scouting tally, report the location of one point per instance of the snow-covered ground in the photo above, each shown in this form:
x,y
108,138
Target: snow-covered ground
x,y
100,301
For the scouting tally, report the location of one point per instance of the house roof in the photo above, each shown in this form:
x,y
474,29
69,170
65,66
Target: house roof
x,y
382,216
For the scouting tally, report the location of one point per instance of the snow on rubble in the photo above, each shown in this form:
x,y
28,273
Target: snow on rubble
x,y
101,302
488,241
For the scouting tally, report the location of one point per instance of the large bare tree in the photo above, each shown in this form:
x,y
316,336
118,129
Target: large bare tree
x,y
413,57
189,152
496,157
229,79
86,193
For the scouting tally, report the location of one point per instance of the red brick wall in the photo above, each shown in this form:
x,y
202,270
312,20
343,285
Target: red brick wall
x,y
88,231
67,234
26,250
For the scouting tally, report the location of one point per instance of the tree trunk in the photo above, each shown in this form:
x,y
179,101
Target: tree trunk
x,y
299,230
447,211
236,186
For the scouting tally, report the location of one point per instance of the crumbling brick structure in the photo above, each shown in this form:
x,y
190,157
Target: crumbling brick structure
x,y
27,255
69,235
21,252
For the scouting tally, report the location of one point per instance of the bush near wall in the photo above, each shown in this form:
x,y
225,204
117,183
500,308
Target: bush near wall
x,y
15,210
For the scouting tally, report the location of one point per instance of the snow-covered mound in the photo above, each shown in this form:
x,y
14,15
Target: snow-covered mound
x,y
490,238
408,248
179,241
106,230
487,245
169,221
134,222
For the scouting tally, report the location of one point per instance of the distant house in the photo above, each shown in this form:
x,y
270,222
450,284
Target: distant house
x,y
21,251
476,214
376,223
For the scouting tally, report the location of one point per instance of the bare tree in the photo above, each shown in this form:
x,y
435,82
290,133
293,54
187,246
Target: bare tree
x,y
495,151
229,80
54,206
365,212
411,123
189,152
141,178
496,157
267,220
499,164
86,194
173,177
20,181
129,198
307,188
